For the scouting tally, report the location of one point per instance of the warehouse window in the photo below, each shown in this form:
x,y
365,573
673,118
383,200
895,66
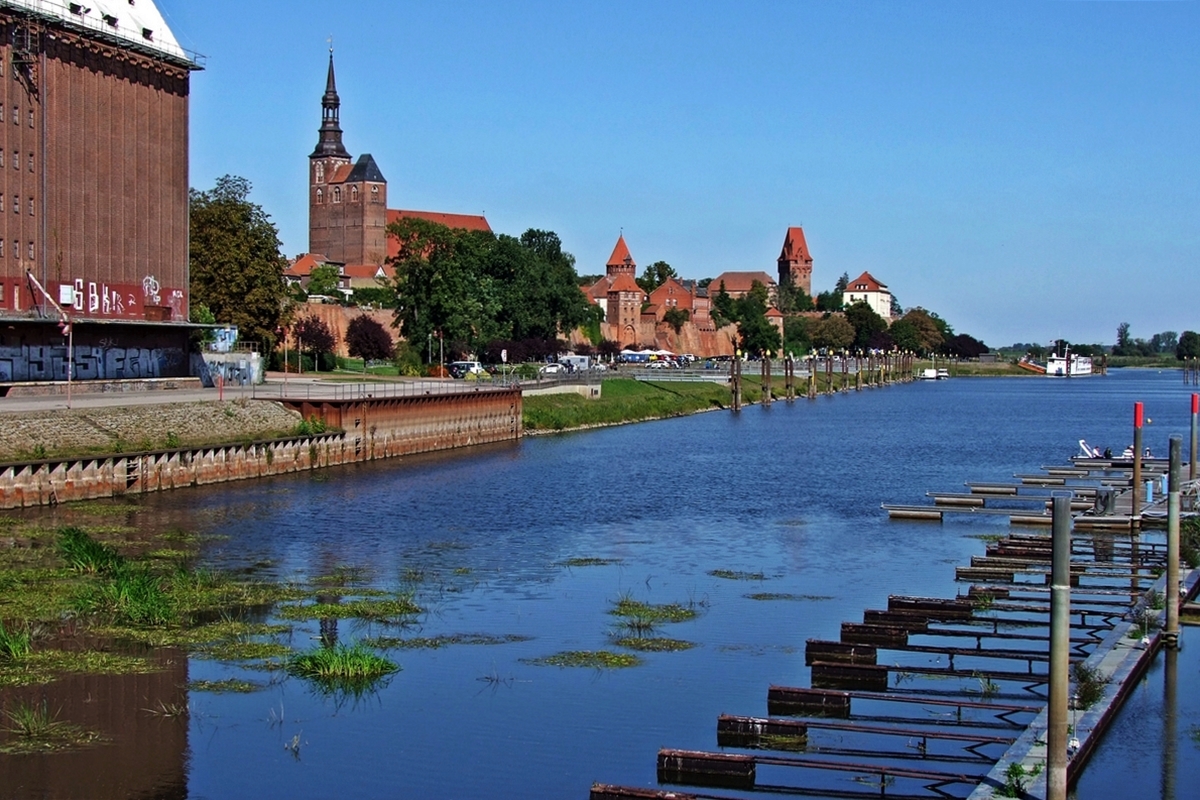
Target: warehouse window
x,y
31,251
16,204
16,115
31,206
31,117
31,162
16,159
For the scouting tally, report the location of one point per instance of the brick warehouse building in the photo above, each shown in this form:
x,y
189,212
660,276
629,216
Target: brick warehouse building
x,y
93,190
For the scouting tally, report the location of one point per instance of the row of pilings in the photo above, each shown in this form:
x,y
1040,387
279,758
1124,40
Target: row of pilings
x,y
827,374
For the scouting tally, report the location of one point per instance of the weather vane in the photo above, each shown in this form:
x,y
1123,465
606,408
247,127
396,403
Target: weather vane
x,y
330,40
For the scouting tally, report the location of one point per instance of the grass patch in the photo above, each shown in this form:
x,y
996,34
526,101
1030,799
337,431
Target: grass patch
x,y
622,400
653,644
589,562
786,596
35,730
243,650
43,666
390,609
596,659
227,686
343,575
14,644
627,607
169,554
733,575
82,553
438,642
132,596
344,668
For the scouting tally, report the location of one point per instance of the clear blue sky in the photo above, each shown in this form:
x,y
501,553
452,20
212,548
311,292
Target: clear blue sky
x,y
1027,170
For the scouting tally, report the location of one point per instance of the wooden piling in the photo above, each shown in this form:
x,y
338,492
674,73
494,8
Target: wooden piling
x,y
696,768
791,700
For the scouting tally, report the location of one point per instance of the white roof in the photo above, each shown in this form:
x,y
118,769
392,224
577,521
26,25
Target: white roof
x,y
137,22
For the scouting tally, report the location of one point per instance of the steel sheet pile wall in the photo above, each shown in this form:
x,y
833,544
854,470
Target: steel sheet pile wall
x,y
373,429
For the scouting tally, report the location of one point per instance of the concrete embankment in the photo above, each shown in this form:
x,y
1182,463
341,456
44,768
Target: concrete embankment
x,y
258,438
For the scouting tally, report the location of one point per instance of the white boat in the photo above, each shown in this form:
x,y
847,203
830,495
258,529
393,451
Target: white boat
x,y
1068,366
943,374
929,374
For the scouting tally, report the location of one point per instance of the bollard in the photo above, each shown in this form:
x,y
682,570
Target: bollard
x,y
1171,634
1060,634
1192,456
1135,510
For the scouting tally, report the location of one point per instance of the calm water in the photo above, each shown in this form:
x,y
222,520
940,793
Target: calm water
x,y
792,491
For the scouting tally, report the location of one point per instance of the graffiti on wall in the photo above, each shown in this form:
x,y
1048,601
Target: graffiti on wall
x,y
49,363
99,299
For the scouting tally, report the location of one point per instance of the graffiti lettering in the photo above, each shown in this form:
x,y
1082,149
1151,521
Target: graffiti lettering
x,y
37,363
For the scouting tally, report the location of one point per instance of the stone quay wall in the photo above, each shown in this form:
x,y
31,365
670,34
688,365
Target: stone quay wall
x,y
371,429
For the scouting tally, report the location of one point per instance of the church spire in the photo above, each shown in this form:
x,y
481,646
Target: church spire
x,y
330,141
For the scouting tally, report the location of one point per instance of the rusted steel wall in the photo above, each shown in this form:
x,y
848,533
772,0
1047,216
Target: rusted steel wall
x,y
373,429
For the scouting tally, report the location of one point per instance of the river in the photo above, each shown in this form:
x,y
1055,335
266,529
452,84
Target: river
x,y
791,492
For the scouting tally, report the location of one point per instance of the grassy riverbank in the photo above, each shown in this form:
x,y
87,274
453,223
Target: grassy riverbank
x,y
627,400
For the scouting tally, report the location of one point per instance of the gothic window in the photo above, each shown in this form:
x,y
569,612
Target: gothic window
x,y
320,196
337,194
320,172
353,194
374,194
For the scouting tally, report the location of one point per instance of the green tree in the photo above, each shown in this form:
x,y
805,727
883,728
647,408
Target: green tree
x,y
236,266
676,318
831,332
1124,341
842,283
324,280
655,276
866,323
920,332
791,299
756,333
722,311
1189,345
829,301
796,337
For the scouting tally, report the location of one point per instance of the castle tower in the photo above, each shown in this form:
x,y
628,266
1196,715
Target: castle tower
x,y
795,264
326,203
620,262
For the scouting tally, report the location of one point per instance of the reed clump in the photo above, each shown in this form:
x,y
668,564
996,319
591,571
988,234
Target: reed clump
x,y
354,668
34,729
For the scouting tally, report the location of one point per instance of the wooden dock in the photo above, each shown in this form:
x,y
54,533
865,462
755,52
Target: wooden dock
x,y
934,697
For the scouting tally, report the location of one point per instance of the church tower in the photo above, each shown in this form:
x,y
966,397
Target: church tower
x,y
326,207
620,262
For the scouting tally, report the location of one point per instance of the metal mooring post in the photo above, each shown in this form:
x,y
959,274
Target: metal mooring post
x,y
1192,456
1060,633
1135,510
1171,634
1170,722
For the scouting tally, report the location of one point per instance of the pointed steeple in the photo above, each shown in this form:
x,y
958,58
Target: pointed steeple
x,y
330,141
620,262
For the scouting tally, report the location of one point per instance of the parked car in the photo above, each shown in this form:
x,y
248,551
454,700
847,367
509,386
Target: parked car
x,y
551,369
461,369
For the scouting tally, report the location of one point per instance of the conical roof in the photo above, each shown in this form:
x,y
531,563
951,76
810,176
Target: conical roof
x,y
620,255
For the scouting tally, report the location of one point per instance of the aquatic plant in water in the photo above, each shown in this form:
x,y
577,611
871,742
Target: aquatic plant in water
x,y
14,644
596,659
653,644
35,730
84,554
626,606
351,668
734,575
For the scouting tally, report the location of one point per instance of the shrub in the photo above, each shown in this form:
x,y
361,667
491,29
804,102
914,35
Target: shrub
x,y
368,340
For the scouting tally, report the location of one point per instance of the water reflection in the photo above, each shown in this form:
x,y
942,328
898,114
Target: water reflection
x,y
792,492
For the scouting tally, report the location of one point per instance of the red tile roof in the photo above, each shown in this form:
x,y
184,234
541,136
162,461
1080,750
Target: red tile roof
x,y
673,290
598,289
624,283
739,282
795,248
368,271
304,265
341,173
620,254
774,312
470,222
865,283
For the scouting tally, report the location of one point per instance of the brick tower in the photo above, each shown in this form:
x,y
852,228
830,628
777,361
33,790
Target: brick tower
x,y
795,264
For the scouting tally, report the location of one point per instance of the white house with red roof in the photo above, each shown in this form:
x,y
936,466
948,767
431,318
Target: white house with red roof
x,y
865,288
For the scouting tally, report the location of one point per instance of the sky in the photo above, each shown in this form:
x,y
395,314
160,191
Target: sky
x,y
1028,171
